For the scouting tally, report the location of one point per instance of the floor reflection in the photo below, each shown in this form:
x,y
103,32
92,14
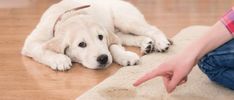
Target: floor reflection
x,y
16,3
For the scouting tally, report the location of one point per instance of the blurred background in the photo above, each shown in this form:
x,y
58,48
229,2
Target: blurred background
x,y
22,78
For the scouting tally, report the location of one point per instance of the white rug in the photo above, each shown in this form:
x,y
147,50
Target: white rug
x,y
199,87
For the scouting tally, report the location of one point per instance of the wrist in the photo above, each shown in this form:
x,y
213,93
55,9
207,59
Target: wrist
x,y
191,54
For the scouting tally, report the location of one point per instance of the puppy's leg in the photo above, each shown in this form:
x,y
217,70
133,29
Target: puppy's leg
x,y
146,44
56,61
34,47
35,42
129,20
122,57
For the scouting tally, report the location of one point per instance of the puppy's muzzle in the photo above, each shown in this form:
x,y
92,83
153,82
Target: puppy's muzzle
x,y
102,60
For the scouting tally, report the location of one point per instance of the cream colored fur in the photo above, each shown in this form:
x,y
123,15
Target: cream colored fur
x,y
113,19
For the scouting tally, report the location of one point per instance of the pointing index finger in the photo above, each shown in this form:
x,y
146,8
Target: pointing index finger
x,y
148,76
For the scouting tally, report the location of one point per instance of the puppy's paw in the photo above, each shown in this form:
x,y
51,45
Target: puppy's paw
x,y
162,43
60,62
129,59
147,46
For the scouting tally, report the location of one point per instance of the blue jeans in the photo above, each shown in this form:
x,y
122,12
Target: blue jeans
x,y
218,65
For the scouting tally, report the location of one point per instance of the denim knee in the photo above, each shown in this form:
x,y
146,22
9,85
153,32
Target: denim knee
x,y
208,66
216,73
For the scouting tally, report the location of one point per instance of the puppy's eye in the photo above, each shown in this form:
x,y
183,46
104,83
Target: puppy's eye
x,y
82,44
100,37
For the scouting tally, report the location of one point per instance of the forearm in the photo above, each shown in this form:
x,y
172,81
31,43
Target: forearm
x,y
215,37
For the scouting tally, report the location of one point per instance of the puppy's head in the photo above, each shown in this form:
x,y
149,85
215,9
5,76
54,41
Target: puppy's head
x,y
84,41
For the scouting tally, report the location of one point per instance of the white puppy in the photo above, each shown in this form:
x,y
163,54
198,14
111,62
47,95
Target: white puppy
x,y
91,32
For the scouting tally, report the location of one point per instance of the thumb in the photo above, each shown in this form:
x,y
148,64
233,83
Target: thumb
x,y
176,79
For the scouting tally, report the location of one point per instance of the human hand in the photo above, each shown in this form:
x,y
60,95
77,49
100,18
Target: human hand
x,y
174,72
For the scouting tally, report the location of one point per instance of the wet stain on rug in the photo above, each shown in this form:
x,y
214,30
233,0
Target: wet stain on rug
x,y
117,93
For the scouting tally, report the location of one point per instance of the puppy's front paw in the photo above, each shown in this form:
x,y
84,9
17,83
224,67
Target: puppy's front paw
x,y
162,43
147,46
128,59
60,62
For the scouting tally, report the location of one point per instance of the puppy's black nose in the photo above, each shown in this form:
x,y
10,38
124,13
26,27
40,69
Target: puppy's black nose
x,y
102,59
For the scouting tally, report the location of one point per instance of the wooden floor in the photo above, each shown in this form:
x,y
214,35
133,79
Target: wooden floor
x,y
22,78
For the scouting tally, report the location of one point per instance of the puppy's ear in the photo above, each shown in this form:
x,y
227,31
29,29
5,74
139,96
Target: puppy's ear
x,y
56,44
112,39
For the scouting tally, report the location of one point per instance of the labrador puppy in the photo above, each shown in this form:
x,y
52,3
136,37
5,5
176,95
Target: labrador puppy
x,y
92,32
